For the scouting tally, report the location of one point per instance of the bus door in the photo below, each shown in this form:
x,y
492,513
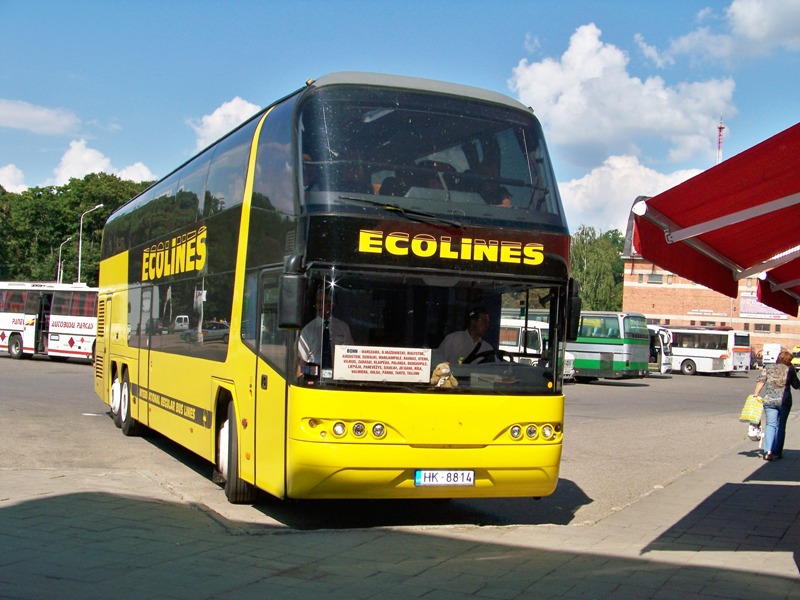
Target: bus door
x,y
271,375
43,322
139,410
32,332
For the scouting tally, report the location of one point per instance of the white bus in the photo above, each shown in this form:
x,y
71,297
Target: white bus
x,y
52,319
529,347
660,348
710,350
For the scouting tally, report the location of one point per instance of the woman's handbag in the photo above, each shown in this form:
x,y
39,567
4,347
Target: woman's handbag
x,y
753,410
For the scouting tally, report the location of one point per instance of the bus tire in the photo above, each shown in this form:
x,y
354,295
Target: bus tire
x,y
15,346
236,490
130,426
688,367
114,401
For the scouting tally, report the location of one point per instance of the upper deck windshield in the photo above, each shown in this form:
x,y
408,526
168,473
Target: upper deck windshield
x,y
370,148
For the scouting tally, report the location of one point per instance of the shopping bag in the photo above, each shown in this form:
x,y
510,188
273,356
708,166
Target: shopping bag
x,y
752,410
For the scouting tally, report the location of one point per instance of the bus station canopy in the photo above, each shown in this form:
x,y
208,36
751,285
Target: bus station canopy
x,y
738,219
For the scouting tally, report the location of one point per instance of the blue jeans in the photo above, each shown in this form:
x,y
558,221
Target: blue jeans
x,y
775,429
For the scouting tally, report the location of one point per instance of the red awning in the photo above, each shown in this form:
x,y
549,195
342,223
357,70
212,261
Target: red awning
x,y
736,220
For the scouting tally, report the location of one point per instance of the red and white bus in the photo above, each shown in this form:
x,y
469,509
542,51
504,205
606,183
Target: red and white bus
x,y
52,319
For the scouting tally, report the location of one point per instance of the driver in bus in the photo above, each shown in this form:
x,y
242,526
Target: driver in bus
x,y
320,336
468,346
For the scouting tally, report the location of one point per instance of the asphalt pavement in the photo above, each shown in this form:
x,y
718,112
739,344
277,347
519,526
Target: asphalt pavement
x,y
729,529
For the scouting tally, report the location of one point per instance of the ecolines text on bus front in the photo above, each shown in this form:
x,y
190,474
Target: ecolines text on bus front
x,y
424,245
181,254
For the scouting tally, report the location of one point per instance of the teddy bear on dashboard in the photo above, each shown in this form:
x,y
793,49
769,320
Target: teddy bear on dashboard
x,y
443,376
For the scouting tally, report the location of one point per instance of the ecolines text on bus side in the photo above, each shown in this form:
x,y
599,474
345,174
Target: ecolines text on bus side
x,y
183,253
424,245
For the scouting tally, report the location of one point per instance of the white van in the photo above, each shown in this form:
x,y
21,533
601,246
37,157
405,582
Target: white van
x,y
181,323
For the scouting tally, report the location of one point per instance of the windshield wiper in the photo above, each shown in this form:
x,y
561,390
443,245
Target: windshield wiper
x,y
408,213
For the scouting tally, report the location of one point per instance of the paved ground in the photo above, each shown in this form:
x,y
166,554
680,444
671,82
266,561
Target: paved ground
x,y
729,529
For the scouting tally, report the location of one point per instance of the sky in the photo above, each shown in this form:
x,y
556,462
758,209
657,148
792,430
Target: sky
x,y
629,93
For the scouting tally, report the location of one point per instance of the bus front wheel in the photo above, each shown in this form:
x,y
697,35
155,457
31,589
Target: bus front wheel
x,y
688,367
15,347
130,426
236,490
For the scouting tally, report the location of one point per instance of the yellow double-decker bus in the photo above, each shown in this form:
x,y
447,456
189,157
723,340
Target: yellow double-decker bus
x,y
277,303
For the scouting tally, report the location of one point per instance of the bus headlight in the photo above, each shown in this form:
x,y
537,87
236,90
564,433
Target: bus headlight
x,y
378,430
547,431
359,429
339,429
515,431
531,431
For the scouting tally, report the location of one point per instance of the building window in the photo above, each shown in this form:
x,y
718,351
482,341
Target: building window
x,y
641,278
666,321
692,323
747,326
655,278
777,328
707,323
669,279
762,327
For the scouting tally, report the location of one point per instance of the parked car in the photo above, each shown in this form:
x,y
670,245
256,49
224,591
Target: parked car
x,y
211,330
796,359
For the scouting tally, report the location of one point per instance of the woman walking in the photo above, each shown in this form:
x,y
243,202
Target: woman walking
x,y
774,386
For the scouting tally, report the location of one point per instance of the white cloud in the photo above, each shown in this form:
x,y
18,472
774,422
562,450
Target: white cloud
x,y
36,119
137,172
593,108
652,53
229,115
753,28
603,197
12,179
80,160
766,23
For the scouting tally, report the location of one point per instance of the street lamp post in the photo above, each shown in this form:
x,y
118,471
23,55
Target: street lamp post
x,y
60,273
80,238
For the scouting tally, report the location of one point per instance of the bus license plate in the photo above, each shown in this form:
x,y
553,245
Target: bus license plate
x,y
443,477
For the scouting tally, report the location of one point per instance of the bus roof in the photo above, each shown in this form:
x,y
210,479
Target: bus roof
x,y
416,83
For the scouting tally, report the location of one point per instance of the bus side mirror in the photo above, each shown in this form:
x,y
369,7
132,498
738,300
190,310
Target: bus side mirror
x,y
291,301
573,311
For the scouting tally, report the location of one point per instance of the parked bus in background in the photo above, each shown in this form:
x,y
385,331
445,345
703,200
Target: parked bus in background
x,y
611,345
381,213
660,348
53,319
527,342
709,350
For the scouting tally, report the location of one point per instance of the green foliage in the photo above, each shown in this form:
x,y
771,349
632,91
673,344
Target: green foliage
x,y
36,222
597,265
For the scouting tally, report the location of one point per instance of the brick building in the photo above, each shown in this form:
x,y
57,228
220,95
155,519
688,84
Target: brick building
x,y
669,299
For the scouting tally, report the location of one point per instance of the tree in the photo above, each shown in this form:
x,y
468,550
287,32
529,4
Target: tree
x,y
596,262
36,222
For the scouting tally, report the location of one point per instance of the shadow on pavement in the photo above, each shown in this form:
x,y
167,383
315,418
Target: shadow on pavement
x,y
98,545
760,514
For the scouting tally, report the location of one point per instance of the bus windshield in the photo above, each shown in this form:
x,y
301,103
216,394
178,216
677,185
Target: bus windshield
x,y
373,149
388,334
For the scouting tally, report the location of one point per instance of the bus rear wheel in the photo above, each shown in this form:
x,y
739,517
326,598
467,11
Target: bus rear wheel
x,y
114,394
236,490
15,346
688,367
